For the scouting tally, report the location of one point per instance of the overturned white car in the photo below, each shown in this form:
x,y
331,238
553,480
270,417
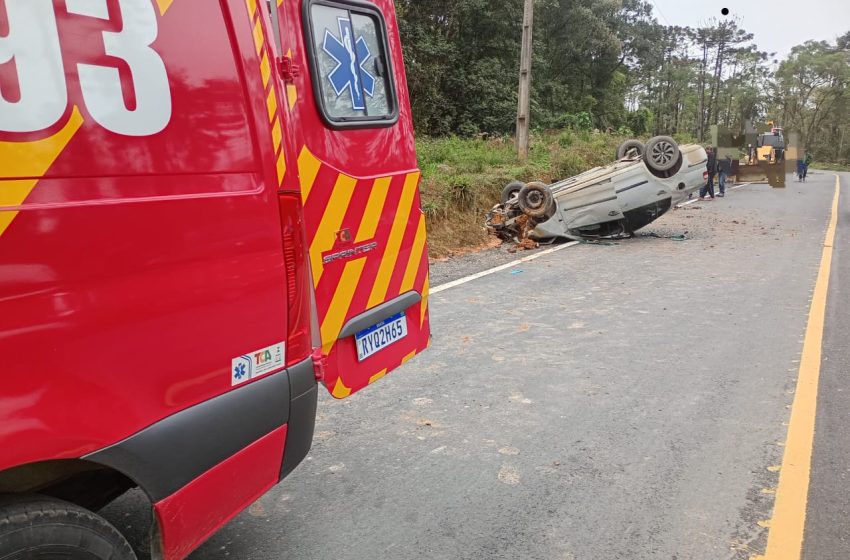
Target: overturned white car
x,y
605,202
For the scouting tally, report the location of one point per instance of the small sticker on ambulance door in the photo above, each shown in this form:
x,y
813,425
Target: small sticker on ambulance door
x,y
256,364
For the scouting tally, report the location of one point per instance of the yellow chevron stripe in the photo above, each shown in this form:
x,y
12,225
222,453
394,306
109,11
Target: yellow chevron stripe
x,y
385,272
265,70
163,6
377,376
252,6
308,169
340,390
425,292
259,39
331,223
374,209
415,257
271,104
340,304
281,168
30,159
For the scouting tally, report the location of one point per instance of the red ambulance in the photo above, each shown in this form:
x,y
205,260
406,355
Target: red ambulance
x,y
207,209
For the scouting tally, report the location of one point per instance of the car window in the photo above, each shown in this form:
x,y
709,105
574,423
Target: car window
x,y
351,64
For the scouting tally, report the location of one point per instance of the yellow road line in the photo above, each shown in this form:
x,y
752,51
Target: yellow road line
x,y
785,539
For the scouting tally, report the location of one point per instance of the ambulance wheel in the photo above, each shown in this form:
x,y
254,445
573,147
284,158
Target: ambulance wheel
x,y
511,191
41,528
535,200
630,148
662,153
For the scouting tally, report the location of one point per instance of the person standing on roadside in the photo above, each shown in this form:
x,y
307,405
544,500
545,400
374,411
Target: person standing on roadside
x,y
806,163
724,169
707,192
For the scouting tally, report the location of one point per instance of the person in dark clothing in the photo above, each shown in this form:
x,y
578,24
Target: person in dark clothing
x,y
724,169
707,192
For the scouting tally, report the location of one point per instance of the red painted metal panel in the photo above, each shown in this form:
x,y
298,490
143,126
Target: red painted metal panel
x,y
139,266
190,516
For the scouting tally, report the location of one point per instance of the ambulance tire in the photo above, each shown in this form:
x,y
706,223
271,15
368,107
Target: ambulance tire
x,y
635,146
536,200
662,153
37,527
511,191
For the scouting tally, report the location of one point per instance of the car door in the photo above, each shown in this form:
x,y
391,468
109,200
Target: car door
x,y
353,134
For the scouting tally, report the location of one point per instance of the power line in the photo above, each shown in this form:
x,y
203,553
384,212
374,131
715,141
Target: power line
x,y
661,13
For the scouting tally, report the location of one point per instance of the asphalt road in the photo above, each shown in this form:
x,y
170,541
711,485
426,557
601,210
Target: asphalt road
x,y
614,401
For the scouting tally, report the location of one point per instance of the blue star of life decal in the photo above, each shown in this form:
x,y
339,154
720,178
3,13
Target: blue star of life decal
x,y
239,372
350,56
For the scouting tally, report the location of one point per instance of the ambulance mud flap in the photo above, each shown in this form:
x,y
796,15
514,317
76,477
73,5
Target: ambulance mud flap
x,y
166,456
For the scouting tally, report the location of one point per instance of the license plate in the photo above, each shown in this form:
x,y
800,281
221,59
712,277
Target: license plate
x,y
376,338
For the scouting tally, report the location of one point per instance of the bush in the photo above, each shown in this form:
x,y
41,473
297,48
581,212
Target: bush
x,y
641,121
566,139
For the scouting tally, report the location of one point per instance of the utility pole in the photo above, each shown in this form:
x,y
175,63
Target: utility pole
x,y
524,109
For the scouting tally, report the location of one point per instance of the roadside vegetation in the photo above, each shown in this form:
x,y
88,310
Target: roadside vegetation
x,y
598,65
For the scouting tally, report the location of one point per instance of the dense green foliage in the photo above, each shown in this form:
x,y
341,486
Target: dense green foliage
x,y
610,65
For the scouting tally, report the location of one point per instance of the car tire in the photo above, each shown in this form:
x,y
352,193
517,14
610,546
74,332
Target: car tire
x,y
511,190
630,146
37,527
536,200
662,153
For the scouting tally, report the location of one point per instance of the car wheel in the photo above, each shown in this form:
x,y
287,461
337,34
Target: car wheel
x,y
38,527
662,153
511,191
630,148
536,200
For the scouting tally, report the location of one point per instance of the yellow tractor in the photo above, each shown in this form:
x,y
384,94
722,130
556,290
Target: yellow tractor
x,y
764,158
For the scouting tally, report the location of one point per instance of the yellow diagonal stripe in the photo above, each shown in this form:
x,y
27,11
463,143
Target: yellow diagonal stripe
x,y
33,159
377,376
276,135
291,95
331,223
341,302
281,168
163,6
340,390
382,280
424,306
259,40
271,104
13,193
308,169
374,209
408,357
265,70
415,257
252,6
30,159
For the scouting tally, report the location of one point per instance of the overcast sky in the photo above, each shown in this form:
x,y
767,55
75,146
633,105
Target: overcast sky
x,y
777,25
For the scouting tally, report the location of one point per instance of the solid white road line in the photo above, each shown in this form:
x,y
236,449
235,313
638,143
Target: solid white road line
x,y
512,264
467,279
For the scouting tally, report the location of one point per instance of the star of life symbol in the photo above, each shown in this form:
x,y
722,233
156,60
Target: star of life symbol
x,y
350,56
